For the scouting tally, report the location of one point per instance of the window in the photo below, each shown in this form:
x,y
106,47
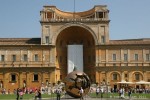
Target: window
x,y
99,14
35,57
60,77
126,75
13,57
102,39
115,76
125,57
2,58
13,77
114,57
47,39
35,77
25,58
137,77
136,57
147,57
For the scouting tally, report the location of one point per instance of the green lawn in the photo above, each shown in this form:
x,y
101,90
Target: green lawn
x,y
116,95
93,95
25,96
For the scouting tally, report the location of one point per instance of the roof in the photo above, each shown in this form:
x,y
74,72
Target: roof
x,y
20,41
130,41
37,41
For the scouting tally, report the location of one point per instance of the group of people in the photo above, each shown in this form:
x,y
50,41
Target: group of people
x,y
99,91
20,93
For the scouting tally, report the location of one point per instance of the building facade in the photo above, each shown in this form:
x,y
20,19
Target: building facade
x,y
30,62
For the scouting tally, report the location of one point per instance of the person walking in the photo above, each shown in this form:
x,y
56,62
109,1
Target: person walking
x,y
17,92
21,94
36,94
129,93
58,92
97,91
81,93
39,95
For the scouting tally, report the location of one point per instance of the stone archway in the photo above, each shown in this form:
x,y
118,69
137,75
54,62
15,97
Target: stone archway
x,y
78,35
65,26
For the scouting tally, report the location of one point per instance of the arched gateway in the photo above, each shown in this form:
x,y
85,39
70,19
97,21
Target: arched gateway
x,y
75,37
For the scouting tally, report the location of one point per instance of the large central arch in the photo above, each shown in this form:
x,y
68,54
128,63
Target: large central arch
x,y
75,34
54,37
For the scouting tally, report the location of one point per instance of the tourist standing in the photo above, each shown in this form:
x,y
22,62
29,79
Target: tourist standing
x,y
36,94
81,93
39,95
97,91
129,93
21,94
58,92
17,92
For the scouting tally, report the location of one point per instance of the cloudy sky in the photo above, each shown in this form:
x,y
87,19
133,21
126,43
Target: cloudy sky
x,y
130,19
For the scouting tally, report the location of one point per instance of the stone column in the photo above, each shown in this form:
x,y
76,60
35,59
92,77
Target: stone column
x,y
128,55
122,75
143,55
121,55
106,55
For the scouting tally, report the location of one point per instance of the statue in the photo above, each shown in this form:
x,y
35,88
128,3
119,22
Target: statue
x,y
75,81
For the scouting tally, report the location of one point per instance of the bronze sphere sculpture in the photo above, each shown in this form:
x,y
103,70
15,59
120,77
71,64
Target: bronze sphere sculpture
x,y
74,81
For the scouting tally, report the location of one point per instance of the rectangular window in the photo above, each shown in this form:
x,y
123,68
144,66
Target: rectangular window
x,y
47,39
35,77
60,77
136,57
137,77
13,77
125,57
126,75
25,57
114,76
114,57
2,58
102,39
35,57
13,57
147,57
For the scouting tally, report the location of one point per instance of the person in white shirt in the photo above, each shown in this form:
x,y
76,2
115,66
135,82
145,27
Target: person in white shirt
x,y
81,93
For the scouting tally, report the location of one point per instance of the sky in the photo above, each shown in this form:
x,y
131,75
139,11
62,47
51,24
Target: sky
x,y
130,19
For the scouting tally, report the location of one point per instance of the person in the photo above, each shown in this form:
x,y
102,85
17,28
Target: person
x,y
21,94
58,92
129,93
97,91
36,94
102,91
81,93
17,92
39,95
